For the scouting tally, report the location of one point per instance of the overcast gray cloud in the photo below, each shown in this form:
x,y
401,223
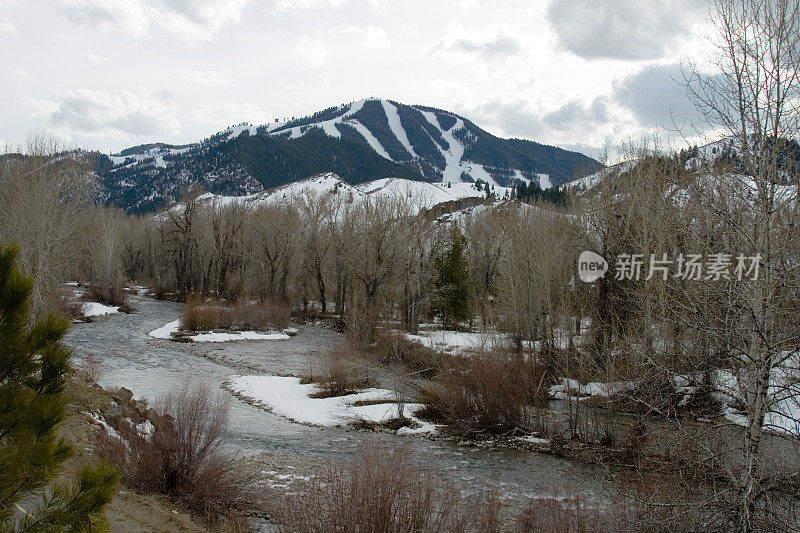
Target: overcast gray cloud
x,y
575,113
517,119
113,73
512,117
499,45
623,29
657,97
97,113
489,43
189,20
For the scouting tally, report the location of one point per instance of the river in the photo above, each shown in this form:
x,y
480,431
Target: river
x,y
151,367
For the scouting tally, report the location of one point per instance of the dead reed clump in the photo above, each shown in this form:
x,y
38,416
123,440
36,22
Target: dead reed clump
x,y
340,372
113,294
202,314
91,369
567,515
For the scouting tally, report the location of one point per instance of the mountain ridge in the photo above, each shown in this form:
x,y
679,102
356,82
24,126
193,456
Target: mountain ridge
x,y
361,141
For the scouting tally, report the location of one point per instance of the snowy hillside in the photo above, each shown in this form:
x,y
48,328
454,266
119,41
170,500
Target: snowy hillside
x,y
420,194
692,159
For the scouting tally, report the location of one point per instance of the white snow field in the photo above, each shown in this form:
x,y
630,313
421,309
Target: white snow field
x,y
287,397
90,309
422,195
458,342
239,336
165,332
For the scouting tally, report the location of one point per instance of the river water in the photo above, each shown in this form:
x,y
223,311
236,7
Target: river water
x,y
152,367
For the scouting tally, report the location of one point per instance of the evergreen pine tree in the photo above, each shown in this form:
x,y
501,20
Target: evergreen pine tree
x,y
452,283
33,370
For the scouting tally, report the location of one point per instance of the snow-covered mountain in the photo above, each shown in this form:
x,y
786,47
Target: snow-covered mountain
x,y
419,194
362,141
692,159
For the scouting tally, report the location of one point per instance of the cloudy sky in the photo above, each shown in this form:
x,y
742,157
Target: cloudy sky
x,y
108,74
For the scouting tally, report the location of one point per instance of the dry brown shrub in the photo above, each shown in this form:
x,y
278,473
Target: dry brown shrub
x,y
113,294
180,456
379,490
484,394
568,515
340,372
392,348
91,368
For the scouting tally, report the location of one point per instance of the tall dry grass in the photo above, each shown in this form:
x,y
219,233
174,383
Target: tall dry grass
x,y
340,371
379,490
203,314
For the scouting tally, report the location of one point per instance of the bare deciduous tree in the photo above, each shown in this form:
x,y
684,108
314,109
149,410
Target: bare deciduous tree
x,y
754,96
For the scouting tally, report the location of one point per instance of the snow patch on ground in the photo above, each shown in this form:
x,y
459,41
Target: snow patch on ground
x,y
534,440
97,309
519,177
165,331
287,397
458,341
572,389
239,336
419,193
235,131
783,415
544,181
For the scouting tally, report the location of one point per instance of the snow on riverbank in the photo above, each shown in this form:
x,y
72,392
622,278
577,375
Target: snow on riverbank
x,y
287,397
458,342
89,309
783,415
572,389
166,332
239,336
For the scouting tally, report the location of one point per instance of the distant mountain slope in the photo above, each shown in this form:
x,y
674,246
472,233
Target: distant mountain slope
x,y
447,144
419,194
362,141
243,165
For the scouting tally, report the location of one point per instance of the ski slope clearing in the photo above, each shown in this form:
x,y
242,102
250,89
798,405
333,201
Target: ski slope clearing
x,y
397,126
